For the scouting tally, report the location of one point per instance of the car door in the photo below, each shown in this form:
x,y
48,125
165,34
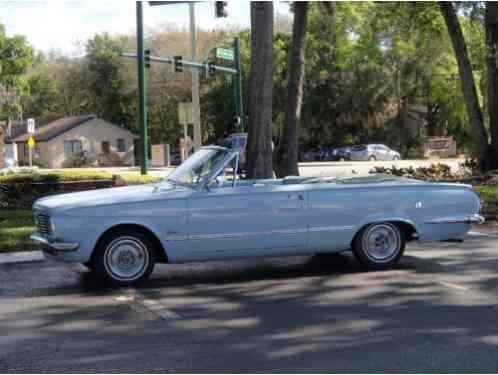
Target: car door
x,y
247,220
381,152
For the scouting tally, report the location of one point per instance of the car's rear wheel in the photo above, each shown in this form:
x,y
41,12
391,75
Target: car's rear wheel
x,y
372,158
379,245
125,257
395,157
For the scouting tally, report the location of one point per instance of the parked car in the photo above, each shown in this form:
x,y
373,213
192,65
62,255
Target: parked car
x,y
374,152
337,154
175,158
310,156
203,211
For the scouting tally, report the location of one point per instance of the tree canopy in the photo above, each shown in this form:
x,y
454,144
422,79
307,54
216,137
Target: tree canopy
x,y
368,66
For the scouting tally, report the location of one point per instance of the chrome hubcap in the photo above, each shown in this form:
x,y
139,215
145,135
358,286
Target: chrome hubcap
x,y
381,243
126,258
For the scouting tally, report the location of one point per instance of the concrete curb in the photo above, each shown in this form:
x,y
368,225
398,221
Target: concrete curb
x,y
22,257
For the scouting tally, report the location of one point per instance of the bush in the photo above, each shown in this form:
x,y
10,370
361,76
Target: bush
x,y
79,161
20,190
53,177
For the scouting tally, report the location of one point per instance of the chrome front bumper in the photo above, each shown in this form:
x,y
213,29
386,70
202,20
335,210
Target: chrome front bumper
x,y
470,219
54,245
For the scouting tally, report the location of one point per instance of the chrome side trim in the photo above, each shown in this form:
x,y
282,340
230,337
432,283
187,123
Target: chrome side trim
x,y
216,236
469,219
331,229
54,245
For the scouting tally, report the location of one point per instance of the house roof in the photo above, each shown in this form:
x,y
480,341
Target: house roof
x,y
53,129
16,129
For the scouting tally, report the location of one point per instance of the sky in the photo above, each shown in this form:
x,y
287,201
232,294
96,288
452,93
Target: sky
x,y
60,25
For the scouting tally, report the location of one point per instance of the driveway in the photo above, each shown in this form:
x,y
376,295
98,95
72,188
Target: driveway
x,y
436,312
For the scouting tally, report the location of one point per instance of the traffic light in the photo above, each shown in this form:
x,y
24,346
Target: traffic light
x,y
178,64
220,9
147,58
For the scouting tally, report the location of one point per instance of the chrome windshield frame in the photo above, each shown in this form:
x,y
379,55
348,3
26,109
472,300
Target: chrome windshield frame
x,y
215,170
220,166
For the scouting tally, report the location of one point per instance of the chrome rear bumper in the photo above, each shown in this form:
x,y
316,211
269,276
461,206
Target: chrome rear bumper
x,y
54,245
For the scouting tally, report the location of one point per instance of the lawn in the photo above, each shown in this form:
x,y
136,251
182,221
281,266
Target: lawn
x,y
15,228
488,194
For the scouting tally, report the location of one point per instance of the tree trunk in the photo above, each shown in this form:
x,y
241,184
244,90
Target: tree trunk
x,y
288,151
491,22
259,147
478,131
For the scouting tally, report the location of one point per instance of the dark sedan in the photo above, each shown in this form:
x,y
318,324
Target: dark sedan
x,y
336,154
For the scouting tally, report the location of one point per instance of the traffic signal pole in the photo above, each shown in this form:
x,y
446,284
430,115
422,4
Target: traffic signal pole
x,y
237,86
196,105
141,89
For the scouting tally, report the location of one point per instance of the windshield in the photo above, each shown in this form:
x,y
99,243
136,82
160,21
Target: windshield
x,y
193,170
360,148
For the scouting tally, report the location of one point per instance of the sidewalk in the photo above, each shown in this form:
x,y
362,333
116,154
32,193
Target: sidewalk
x,y
22,257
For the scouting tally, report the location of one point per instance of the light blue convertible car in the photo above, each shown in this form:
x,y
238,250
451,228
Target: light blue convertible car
x,y
203,211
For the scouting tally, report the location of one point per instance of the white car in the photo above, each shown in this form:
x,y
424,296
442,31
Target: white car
x,y
374,152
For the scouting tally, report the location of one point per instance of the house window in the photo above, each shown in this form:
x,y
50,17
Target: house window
x,y
72,147
121,145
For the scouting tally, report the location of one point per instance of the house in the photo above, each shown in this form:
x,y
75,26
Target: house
x,y
108,144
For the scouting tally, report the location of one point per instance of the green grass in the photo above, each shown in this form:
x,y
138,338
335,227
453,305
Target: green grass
x,y
15,228
488,194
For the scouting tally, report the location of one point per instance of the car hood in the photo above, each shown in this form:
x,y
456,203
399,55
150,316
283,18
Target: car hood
x,y
105,197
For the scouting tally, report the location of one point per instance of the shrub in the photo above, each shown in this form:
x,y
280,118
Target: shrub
x,y
79,161
20,190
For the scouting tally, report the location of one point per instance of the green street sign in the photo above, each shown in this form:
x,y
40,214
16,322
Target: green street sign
x,y
224,53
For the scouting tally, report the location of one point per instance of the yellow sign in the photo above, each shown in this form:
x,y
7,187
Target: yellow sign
x,y
31,143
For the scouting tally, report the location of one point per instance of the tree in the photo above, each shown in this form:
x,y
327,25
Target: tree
x,y
259,149
491,25
105,83
16,55
287,156
479,134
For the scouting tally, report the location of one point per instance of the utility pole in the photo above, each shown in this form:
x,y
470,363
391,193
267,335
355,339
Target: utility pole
x,y
196,106
141,89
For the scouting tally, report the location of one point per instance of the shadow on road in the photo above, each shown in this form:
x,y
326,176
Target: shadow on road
x,y
300,314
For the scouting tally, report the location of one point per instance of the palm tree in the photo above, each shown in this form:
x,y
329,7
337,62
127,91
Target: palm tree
x,y
491,23
259,147
479,134
287,155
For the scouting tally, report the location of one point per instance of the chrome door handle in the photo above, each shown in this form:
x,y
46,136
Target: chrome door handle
x,y
299,196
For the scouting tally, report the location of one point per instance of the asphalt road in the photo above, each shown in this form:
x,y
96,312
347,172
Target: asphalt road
x,y
436,312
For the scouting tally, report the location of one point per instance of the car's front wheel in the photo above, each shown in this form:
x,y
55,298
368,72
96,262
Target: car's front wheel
x,y
372,158
379,245
124,257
